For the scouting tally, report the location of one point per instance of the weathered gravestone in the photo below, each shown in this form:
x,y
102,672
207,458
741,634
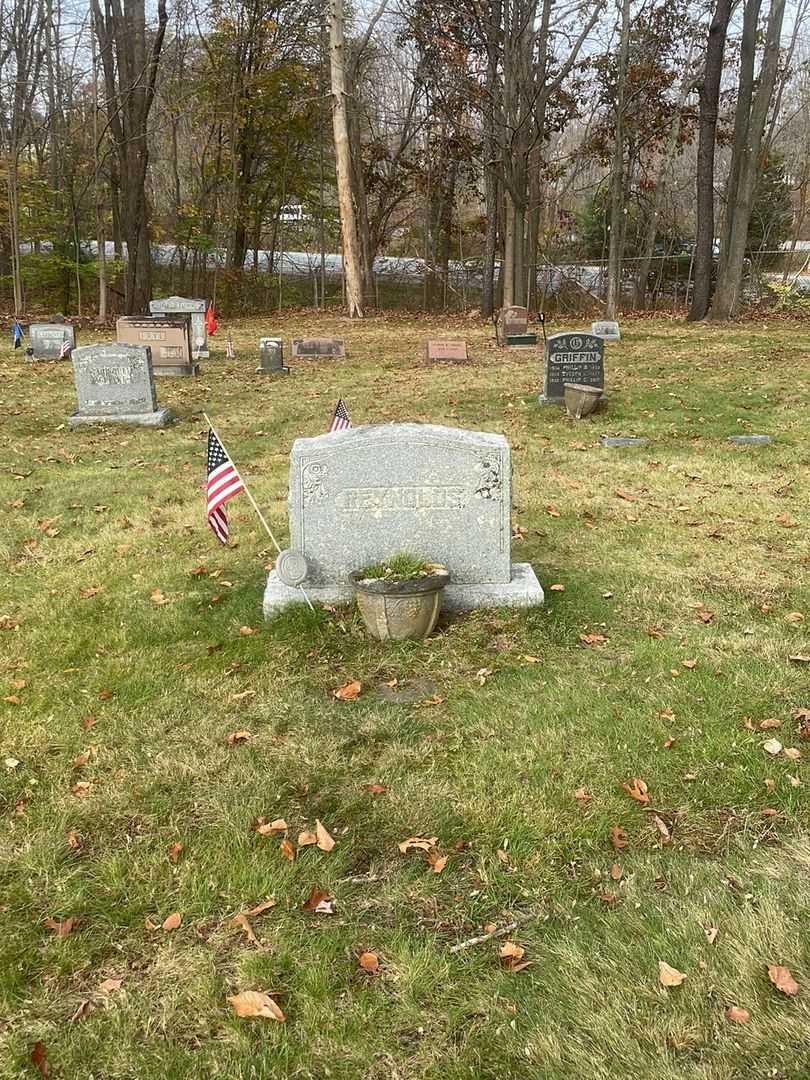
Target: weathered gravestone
x,y
512,320
317,348
363,494
446,351
167,338
271,357
114,384
195,309
607,330
46,340
572,358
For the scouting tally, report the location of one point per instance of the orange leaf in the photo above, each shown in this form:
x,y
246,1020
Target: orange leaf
x,y
247,631
581,795
437,861
82,788
783,980
62,928
109,985
267,828
157,597
240,922
174,851
669,976
738,1015
593,639
260,909
637,789
421,843
376,789
349,691
82,759
325,841
253,1003
663,829
39,1057
318,901
171,922
306,839
616,872
618,837
689,664
287,850
238,737
369,962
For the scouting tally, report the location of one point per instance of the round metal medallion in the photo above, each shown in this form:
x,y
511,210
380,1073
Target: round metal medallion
x,y
292,568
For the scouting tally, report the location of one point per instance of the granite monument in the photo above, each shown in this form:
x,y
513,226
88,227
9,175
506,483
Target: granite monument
x,y
115,385
46,340
168,338
195,309
576,357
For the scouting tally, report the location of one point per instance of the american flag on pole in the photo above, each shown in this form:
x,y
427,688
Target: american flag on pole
x,y
223,483
65,349
340,419
229,348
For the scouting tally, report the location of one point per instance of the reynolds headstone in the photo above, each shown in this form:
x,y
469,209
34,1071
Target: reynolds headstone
x,y
318,348
47,340
607,330
195,309
576,357
114,384
446,351
168,338
512,320
443,494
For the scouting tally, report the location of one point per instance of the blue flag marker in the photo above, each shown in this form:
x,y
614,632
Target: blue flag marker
x,y
16,330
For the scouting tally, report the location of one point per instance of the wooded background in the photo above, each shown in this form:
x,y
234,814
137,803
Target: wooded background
x,y
542,152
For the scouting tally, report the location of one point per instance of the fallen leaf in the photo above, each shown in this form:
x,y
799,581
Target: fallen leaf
x,y
325,841
581,795
792,752
552,510
592,639
482,675
785,519
557,588
369,962
772,747
711,933
663,829
82,759
530,659
794,617
73,841
82,1011
260,909
11,699
306,839
268,828
511,956
667,744
625,495
705,616
247,631
783,980
39,1057
738,1015
82,788
287,850
171,922
90,591
62,927
637,789
769,725
253,1003
238,737
690,664
109,985
616,872
244,696
240,922
149,925
618,837
89,721
318,901
174,851
375,789
799,659
349,691
437,861
420,842
669,976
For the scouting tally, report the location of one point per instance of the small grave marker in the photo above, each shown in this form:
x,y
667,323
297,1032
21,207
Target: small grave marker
x,y
318,348
620,440
114,384
576,357
46,340
607,330
168,338
271,357
750,440
446,350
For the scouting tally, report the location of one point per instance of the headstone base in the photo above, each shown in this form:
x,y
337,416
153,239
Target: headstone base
x,y
175,370
160,419
524,590
272,371
543,400
521,340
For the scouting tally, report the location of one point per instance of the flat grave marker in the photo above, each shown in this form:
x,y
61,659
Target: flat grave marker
x,y
750,440
576,357
444,351
114,384
318,348
607,329
620,440
168,338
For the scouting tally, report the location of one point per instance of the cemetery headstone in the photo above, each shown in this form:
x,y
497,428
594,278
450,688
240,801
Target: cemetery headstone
x,y
512,320
318,348
271,357
114,384
46,340
195,309
607,330
446,351
168,338
576,357
620,440
442,493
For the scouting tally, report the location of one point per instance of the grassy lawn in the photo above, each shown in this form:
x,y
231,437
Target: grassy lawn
x,y
126,659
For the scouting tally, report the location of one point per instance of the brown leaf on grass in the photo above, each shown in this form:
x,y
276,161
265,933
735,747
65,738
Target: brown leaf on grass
x,y
375,789
783,980
592,639
785,519
174,851
711,933
11,699
552,510
350,691
792,752
325,841
81,759
244,696
690,664
482,675
90,591
511,956
772,747
73,841
667,744
530,659
738,1015
369,962
171,922
624,495
255,1003
105,695
307,839
618,838
799,658
89,721
268,828
769,725
198,571
82,788
421,843
637,789
62,927
39,1057
669,976
287,850
248,631
240,922
803,717
794,617
437,861
149,924
663,829
157,597
260,909
110,985
557,588
705,616
581,795
616,872
318,901
238,737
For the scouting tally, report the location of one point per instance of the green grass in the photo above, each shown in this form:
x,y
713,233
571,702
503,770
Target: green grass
x,y
119,605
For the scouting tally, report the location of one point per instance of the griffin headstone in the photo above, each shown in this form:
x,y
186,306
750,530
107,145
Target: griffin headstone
x,y
576,357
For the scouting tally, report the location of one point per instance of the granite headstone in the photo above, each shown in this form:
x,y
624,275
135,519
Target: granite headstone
x,y
446,351
168,338
576,357
114,384
607,329
318,348
442,493
46,340
271,357
195,309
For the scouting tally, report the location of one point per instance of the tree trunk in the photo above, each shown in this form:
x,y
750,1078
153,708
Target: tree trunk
x,y
343,163
616,247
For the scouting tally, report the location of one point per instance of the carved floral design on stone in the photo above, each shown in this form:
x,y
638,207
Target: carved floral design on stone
x,y
313,478
490,485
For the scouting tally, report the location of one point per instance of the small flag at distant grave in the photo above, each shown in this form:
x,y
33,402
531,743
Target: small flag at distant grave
x,y
65,349
211,323
341,419
229,348
223,483
16,331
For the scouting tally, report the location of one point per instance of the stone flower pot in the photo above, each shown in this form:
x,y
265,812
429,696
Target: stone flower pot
x,y
396,610
581,400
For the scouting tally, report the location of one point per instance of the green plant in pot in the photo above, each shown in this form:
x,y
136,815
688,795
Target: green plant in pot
x,y
400,597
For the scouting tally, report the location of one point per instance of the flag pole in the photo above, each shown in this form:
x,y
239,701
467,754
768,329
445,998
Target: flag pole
x,y
253,503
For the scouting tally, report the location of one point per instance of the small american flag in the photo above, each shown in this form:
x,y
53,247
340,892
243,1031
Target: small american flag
x,y
65,349
229,348
341,419
223,483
